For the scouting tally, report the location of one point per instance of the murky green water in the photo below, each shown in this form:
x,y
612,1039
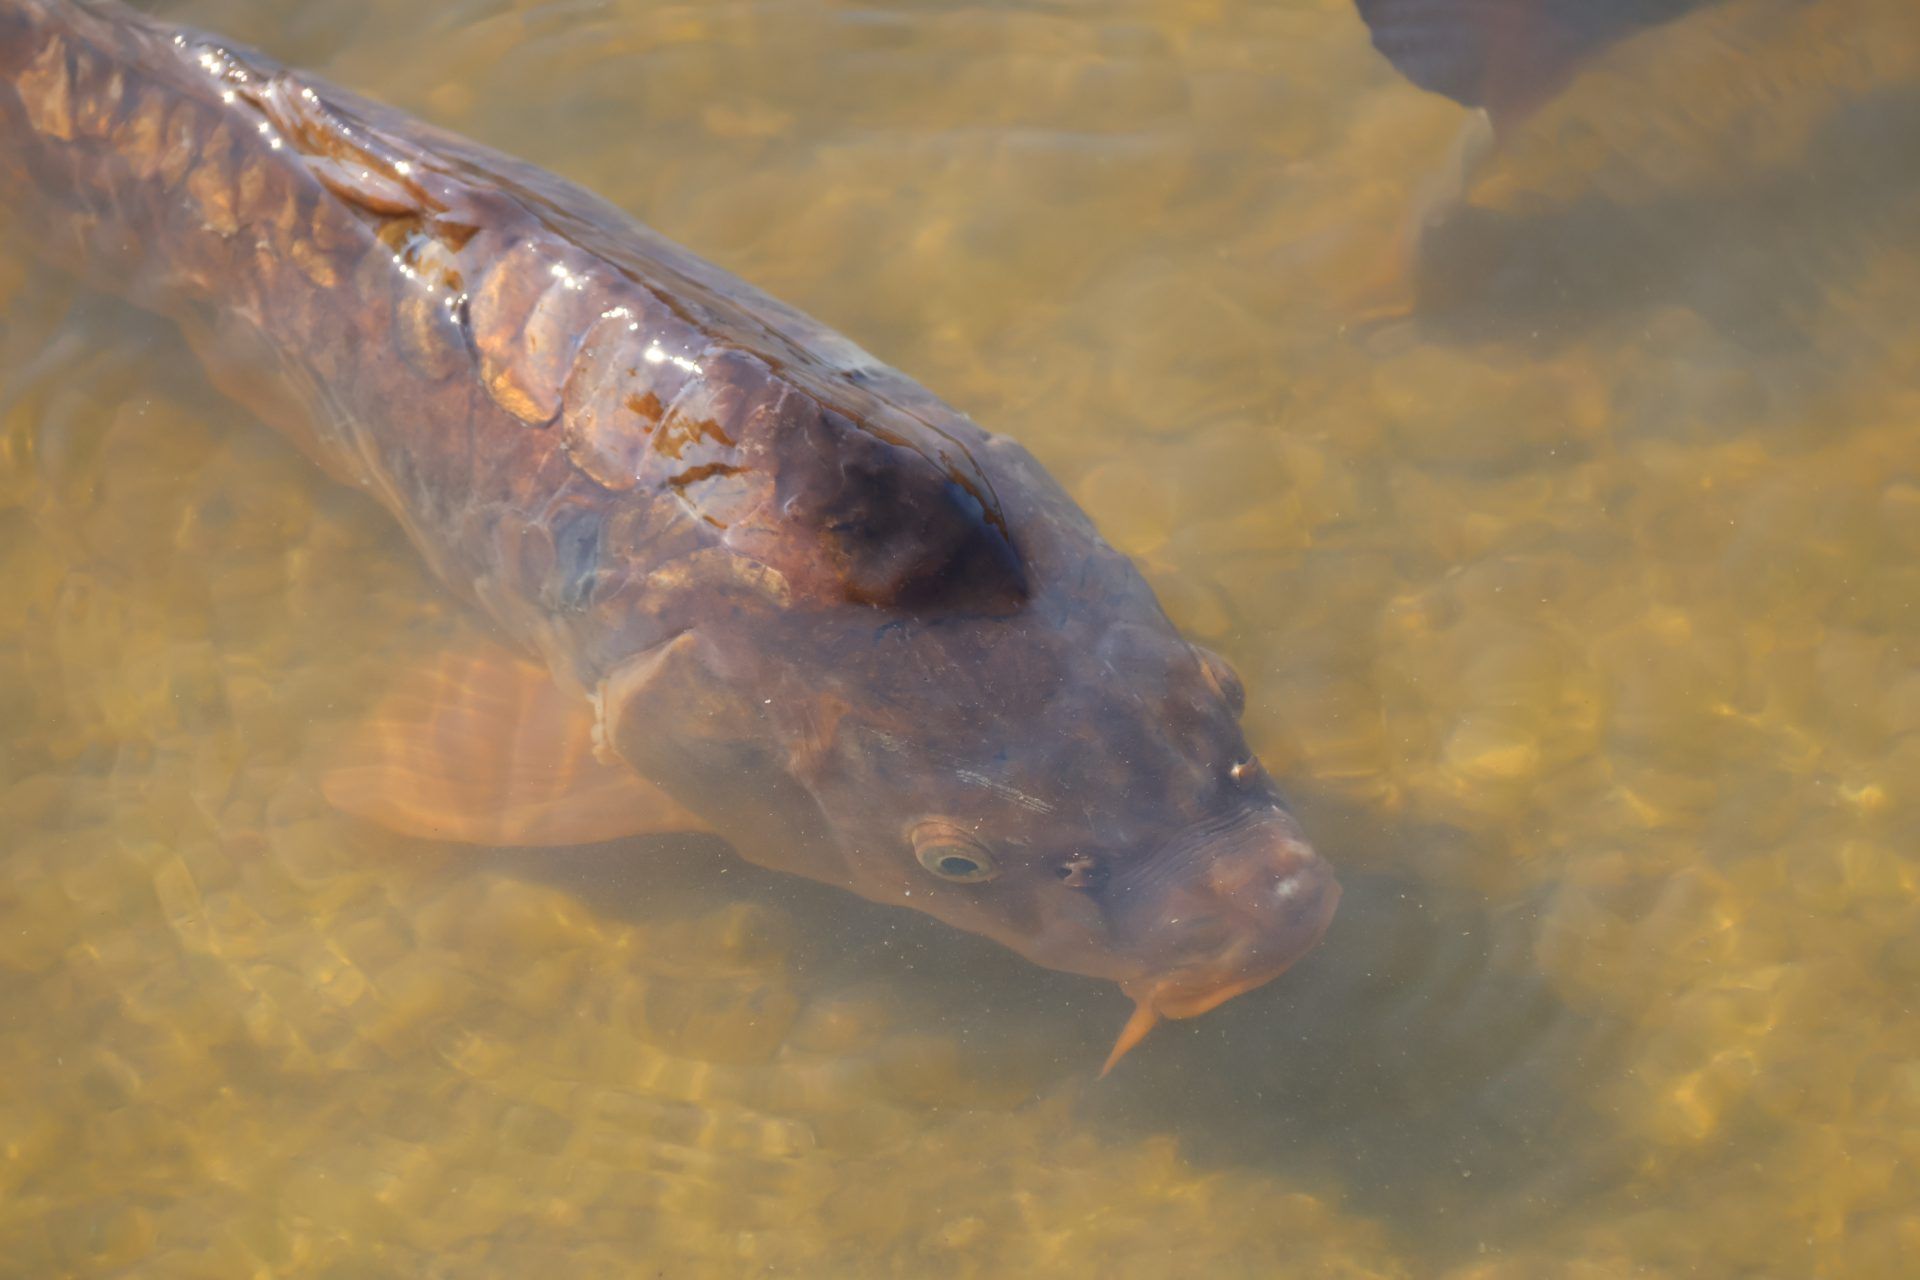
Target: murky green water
x,y
1580,615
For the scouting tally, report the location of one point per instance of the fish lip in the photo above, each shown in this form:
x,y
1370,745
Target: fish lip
x,y
1175,995
1187,991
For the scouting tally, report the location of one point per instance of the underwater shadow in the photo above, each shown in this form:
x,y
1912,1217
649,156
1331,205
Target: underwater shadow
x,y
1758,260
1417,1061
1417,1058
1007,1014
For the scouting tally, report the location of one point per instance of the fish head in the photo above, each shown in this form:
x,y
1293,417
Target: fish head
x,y
1054,767
1075,787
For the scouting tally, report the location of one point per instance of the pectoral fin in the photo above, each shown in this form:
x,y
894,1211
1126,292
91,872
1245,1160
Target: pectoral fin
x,y
487,749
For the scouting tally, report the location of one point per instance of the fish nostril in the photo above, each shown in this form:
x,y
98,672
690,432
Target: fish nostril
x,y
1295,855
1082,872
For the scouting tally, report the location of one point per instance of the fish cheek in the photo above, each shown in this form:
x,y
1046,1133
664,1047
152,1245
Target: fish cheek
x,y
673,716
1051,924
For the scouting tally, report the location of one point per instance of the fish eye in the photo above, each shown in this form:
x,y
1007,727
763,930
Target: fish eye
x,y
959,866
950,853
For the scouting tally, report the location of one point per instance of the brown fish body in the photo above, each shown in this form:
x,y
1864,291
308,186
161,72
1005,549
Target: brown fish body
x,y
824,612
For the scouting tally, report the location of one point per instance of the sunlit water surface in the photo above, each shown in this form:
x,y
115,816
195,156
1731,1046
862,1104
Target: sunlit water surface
x,y
1579,612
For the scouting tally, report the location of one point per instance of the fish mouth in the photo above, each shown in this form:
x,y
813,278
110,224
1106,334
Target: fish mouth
x,y
1250,915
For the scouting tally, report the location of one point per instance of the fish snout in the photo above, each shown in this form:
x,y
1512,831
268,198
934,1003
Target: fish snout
x,y
1266,912
1220,914
1257,907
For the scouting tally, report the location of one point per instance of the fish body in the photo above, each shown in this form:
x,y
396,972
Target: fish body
x,y
773,587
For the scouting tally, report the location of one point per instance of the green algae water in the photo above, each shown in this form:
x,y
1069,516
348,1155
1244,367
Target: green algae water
x,y
1576,589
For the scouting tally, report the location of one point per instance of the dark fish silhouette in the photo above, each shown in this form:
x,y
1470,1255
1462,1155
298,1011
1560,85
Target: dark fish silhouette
x,y
1506,56
763,584
1745,159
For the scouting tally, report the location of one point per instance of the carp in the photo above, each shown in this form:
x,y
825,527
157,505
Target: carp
x,y
749,580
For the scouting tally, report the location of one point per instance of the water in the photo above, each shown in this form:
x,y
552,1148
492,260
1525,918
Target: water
x,y
1579,613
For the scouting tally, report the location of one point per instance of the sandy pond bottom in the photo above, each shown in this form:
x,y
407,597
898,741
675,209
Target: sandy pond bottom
x,y
1579,613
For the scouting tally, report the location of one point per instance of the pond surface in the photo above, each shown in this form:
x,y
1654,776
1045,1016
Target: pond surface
x,y
1572,562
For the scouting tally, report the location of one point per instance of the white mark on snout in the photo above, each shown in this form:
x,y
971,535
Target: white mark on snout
x,y
1291,886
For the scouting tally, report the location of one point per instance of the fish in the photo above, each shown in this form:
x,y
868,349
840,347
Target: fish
x,y
1626,157
746,579
1503,60
1505,57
